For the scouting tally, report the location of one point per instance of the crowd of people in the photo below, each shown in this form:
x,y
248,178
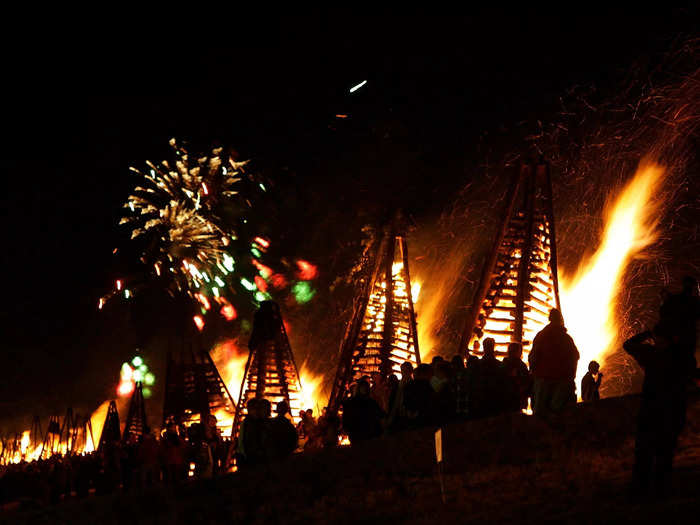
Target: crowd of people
x,y
171,457
425,395
443,391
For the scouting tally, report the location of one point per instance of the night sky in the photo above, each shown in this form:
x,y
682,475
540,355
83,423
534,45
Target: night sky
x,y
82,111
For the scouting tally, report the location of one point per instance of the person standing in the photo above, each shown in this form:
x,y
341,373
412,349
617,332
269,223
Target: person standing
x,y
662,411
519,380
553,361
591,382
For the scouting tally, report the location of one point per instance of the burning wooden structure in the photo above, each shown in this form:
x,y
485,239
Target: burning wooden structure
x,y
111,430
66,437
519,284
136,423
270,371
194,389
381,333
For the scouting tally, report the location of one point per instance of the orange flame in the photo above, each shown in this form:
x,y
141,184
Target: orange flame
x,y
97,421
230,359
588,297
310,392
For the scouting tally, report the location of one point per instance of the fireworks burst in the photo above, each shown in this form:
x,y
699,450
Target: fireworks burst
x,y
190,218
177,209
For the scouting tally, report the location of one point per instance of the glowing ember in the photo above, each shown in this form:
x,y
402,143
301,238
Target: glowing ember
x,y
588,297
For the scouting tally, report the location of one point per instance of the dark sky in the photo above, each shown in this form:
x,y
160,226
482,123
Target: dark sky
x,y
82,110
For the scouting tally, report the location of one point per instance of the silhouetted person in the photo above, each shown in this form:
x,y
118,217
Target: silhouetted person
x,y
475,348
212,435
419,397
362,415
679,315
283,437
200,453
173,452
379,391
444,409
553,362
518,376
460,386
328,428
310,431
392,383
662,411
591,382
252,434
398,418
488,389
301,425
148,457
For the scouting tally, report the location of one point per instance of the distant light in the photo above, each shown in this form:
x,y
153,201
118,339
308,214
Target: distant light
x,y
199,322
125,388
341,116
260,283
358,86
303,292
137,361
149,378
228,262
219,281
248,285
265,271
262,186
229,312
215,291
119,285
203,300
126,372
255,252
264,243
147,392
307,271
278,281
127,293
